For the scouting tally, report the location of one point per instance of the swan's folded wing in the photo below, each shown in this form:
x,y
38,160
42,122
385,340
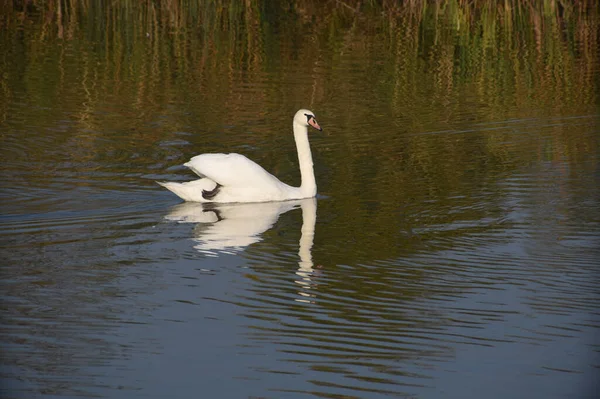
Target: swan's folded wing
x,y
232,170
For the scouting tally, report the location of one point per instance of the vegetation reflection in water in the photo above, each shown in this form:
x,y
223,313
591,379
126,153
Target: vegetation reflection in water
x,y
461,155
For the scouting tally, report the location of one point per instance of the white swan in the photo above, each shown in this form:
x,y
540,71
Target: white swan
x,y
235,178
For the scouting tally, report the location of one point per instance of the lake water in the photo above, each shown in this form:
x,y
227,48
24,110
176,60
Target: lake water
x,y
452,251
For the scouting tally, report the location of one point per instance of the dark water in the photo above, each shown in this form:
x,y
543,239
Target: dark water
x,y
452,250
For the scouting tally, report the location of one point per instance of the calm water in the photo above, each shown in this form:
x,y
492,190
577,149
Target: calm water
x,y
453,249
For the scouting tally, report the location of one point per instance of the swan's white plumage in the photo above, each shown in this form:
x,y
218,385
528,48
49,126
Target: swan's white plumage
x,y
235,178
218,168
189,190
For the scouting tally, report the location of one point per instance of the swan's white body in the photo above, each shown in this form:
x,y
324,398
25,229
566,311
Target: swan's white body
x,y
234,178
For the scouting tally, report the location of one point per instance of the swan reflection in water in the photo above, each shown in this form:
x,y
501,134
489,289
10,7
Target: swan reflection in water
x,y
230,228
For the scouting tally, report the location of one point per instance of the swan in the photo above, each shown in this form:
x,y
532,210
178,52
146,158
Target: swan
x,y
226,178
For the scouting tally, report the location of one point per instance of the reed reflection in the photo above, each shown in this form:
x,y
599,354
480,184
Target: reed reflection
x,y
230,228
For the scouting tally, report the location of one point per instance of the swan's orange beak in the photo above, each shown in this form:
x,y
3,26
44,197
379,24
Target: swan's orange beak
x,y
313,122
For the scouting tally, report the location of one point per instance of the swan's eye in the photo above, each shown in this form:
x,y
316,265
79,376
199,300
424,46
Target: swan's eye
x,y
308,117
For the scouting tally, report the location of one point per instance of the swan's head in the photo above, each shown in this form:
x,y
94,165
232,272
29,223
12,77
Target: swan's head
x,y
305,117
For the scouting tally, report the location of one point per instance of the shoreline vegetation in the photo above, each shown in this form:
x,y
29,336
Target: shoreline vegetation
x,y
542,39
63,16
463,31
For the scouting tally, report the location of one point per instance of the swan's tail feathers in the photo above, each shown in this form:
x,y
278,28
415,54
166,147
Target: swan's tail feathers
x,y
191,190
176,188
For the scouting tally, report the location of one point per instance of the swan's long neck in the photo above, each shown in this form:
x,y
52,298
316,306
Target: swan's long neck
x,y
308,186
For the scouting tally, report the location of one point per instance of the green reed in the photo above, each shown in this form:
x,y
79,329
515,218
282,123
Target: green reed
x,y
239,32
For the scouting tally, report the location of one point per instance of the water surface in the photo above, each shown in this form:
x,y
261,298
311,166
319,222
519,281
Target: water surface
x,y
452,250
